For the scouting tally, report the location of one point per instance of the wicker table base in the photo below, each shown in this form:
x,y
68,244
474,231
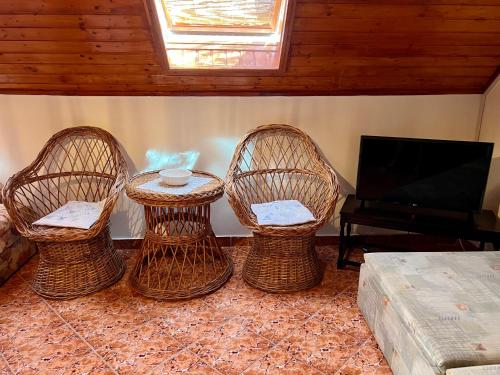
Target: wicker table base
x,y
180,257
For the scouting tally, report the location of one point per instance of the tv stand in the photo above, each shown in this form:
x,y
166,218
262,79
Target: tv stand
x,y
483,226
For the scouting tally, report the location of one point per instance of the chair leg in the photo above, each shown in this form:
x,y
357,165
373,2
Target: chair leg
x,y
282,264
76,268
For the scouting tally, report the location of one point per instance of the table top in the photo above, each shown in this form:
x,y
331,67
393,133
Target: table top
x,y
204,194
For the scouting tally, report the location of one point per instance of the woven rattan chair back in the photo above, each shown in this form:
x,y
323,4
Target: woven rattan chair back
x,y
279,162
81,163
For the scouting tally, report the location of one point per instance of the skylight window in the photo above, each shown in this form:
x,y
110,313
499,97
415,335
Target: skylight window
x,y
222,34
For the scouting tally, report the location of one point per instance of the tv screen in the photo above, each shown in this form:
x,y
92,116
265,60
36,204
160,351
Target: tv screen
x,y
427,173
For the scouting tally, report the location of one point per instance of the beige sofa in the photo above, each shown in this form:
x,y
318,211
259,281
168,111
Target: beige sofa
x,y
14,249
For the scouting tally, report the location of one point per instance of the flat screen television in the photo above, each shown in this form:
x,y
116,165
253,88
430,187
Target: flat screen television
x,y
436,174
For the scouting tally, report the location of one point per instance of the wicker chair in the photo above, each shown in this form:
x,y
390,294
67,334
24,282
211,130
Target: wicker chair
x,y
81,163
279,162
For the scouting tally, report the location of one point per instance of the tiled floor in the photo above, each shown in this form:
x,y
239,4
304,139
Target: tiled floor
x,y
234,330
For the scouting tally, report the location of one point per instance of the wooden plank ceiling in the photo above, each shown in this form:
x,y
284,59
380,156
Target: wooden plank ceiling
x,y
80,47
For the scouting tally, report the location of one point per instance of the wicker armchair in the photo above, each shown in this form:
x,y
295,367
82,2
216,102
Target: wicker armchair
x,y
81,163
279,162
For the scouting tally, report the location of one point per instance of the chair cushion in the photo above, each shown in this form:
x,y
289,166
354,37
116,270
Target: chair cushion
x,y
450,302
74,214
282,213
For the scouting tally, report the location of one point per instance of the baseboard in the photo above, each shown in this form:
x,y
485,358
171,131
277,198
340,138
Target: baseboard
x,y
417,242
127,243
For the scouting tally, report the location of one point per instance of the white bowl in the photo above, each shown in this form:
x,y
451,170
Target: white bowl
x,y
175,177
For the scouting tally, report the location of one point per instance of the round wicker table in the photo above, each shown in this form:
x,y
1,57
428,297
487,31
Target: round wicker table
x,y
179,257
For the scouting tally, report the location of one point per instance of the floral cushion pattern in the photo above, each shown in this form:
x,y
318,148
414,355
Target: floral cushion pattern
x,y
447,303
14,250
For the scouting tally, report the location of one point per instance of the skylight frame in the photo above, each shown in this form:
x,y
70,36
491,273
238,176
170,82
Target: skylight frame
x,y
158,25
223,28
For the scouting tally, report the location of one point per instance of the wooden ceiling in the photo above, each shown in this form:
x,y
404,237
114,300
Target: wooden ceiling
x,y
351,47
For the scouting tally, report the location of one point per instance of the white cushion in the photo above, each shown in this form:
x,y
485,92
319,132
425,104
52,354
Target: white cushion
x,y
74,214
282,213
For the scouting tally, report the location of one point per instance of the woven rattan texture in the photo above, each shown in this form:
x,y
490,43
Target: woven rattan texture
x,y
83,164
72,269
282,264
280,162
205,194
180,257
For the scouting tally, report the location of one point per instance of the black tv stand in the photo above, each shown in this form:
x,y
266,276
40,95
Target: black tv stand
x,y
483,226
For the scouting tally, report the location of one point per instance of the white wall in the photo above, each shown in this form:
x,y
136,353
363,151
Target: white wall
x,y
212,126
490,132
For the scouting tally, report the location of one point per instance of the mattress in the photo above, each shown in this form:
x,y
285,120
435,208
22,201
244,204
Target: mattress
x,y
433,311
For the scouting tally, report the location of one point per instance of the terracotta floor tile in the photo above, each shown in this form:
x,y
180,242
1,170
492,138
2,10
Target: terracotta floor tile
x,y
345,317
356,254
310,301
369,360
247,306
322,296
57,350
237,328
16,295
127,254
88,365
207,343
280,361
105,314
26,324
274,320
100,323
240,296
4,367
28,270
161,309
340,280
231,350
139,352
235,282
327,253
190,323
321,346
184,362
